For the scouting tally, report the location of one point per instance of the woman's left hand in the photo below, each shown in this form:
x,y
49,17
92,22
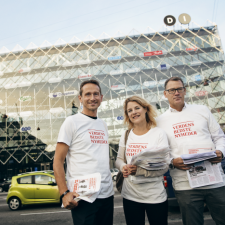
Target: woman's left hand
x,y
132,169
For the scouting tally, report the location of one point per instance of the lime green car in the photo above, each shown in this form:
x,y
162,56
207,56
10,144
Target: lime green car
x,y
33,188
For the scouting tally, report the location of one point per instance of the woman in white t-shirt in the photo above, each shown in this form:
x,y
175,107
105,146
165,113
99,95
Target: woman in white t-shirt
x,y
149,195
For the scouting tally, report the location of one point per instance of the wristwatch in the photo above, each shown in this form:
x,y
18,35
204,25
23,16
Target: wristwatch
x,y
171,166
61,197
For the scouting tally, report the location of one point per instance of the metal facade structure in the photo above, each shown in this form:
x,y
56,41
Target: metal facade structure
x,y
39,85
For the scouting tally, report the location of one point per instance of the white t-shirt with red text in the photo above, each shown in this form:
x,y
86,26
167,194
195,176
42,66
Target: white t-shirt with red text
x,y
150,192
193,126
88,153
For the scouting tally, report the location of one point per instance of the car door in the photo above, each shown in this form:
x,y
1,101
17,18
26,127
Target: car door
x,y
44,192
26,188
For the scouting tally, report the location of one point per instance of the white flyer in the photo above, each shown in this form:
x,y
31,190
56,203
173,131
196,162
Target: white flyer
x,y
202,173
88,187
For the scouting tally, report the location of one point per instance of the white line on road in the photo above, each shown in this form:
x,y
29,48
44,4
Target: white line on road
x,y
27,214
3,204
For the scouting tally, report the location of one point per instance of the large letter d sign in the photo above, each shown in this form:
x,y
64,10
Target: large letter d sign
x,y
170,20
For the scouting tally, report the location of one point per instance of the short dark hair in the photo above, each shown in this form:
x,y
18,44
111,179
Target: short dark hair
x,y
173,79
89,82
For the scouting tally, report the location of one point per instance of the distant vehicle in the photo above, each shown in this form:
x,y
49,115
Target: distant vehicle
x,y
4,185
172,201
33,188
114,172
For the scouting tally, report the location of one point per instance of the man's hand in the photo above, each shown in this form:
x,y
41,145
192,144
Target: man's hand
x,y
125,171
219,157
179,164
132,169
68,200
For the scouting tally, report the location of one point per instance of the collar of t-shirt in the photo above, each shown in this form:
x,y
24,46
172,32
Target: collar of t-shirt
x,y
174,110
93,117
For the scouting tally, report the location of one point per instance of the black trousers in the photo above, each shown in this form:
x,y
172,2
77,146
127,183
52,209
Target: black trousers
x,y
135,212
100,212
191,204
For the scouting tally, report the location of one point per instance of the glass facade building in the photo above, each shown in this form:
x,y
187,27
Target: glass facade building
x,y
39,86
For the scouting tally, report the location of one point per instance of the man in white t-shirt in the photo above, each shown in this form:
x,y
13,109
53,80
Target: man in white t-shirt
x,y
192,125
83,141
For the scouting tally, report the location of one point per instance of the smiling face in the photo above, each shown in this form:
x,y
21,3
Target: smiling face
x,y
176,100
91,98
136,113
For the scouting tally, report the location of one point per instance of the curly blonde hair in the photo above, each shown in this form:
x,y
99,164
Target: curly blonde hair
x,y
150,114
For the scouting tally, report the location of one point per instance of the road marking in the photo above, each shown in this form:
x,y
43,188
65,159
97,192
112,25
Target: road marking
x,y
27,214
2,198
3,205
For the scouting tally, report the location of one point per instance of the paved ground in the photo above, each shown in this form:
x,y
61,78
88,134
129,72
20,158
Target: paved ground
x,y
53,214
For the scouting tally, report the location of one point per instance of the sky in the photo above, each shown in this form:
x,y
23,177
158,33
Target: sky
x,y
26,21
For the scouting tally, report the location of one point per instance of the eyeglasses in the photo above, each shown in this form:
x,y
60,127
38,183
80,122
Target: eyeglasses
x,y
173,91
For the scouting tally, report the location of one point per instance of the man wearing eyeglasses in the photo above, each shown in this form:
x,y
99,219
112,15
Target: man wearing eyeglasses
x,y
190,126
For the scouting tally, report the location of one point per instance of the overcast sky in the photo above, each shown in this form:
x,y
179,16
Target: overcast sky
x,y
26,21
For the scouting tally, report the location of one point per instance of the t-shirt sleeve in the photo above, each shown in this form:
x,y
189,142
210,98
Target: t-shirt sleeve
x,y
106,128
122,143
213,125
163,140
66,132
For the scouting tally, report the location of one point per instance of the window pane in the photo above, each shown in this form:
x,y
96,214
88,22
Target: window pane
x,y
43,179
26,180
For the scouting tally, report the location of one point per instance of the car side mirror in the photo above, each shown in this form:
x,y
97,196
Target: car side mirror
x,y
52,183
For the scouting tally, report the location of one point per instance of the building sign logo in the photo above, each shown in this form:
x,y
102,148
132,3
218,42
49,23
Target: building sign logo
x,y
85,76
60,94
114,58
169,20
25,98
133,70
201,93
23,129
161,52
183,18
116,72
118,87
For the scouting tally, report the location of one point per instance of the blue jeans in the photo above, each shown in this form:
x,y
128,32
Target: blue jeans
x,y
191,204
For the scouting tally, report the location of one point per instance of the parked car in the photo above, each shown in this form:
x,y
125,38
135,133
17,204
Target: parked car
x,y
33,188
4,185
114,172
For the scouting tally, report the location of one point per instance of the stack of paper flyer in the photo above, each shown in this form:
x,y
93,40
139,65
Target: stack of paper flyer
x,y
88,187
154,158
198,157
202,171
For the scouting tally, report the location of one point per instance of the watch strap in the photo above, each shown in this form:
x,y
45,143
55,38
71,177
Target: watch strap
x,y
171,166
61,197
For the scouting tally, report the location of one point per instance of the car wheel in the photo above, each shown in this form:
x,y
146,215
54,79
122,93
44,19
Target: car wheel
x,y
14,203
1,189
114,178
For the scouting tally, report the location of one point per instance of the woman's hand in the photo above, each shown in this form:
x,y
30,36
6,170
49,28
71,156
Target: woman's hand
x,y
125,171
132,169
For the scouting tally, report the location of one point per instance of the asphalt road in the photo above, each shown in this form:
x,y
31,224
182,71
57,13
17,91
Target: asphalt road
x,y
53,214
